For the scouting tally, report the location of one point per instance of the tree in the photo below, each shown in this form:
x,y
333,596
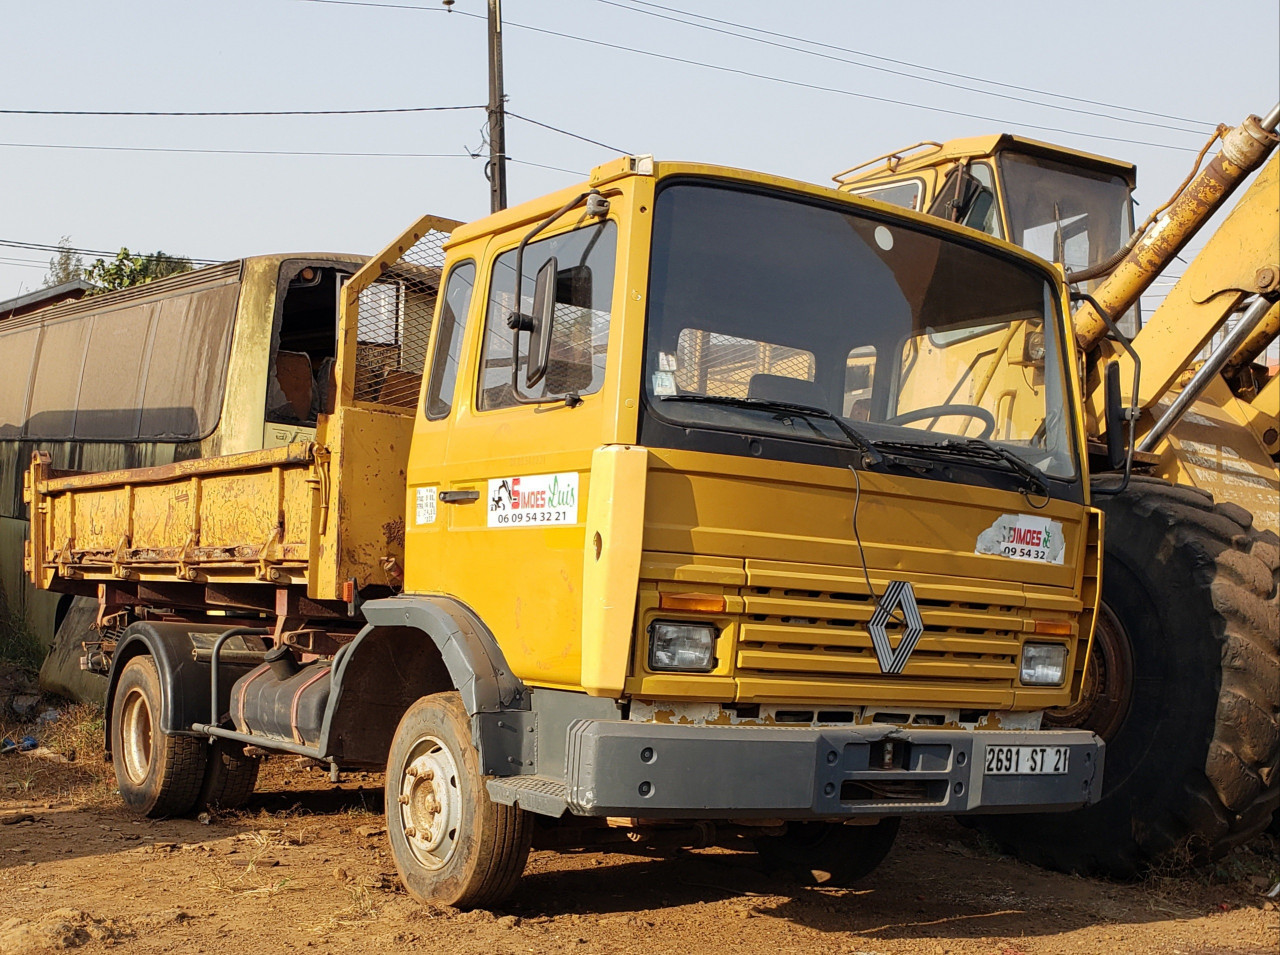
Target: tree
x,y
128,269
64,267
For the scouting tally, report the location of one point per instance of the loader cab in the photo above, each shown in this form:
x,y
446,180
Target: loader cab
x,y
1065,206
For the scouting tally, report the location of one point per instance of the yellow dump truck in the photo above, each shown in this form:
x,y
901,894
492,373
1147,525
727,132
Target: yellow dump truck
x,y
684,506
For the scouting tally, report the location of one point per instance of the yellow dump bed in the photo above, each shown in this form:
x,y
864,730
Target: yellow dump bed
x,y
239,518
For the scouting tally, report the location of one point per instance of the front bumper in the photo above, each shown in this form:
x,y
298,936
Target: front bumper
x,y
654,770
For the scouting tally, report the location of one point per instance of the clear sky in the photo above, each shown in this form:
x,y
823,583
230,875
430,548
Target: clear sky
x,y
1199,63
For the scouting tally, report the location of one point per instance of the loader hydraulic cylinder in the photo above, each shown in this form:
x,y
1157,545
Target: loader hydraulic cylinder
x,y
1244,148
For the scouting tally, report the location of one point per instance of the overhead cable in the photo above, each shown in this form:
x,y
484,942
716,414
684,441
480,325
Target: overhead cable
x,y
275,152
511,24
247,112
921,66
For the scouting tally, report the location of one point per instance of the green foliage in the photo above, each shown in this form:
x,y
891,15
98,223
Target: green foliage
x,y
128,269
19,646
65,266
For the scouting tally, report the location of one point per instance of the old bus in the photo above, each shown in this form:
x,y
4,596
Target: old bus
x,y
233,357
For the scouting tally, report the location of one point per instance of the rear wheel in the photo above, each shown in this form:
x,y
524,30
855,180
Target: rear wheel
x,y
1184,687
451,843
828,853
157,774
230,777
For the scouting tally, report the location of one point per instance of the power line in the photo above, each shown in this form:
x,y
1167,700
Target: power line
x,y
565,132
828,89
929,69
882,69
249,112
370,3
275,152
40,247
776,79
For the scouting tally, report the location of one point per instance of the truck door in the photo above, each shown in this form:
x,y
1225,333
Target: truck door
x,y
498,487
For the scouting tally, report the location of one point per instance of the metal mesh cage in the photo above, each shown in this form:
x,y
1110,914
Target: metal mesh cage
x,y
715,364
393,325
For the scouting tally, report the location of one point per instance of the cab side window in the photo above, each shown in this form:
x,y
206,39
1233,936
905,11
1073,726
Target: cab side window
x,y
449,339
584,294
905,194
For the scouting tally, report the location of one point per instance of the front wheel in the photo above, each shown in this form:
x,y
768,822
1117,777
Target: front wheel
x,y
828,853
157,774
451,843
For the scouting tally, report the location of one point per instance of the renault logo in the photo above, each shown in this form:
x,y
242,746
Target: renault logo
x,y
897,594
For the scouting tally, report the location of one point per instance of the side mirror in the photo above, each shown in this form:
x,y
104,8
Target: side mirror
x,y
543,317
1114,413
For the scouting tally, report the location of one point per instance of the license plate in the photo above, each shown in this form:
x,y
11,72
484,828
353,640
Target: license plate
x,y
1027,760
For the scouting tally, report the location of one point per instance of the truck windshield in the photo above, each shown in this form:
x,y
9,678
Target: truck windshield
x,y
910,337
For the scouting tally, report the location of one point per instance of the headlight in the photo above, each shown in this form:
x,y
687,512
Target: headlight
x,y
682,646
1043,664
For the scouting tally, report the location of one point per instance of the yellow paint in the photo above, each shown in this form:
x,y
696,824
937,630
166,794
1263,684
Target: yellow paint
x,y
611,565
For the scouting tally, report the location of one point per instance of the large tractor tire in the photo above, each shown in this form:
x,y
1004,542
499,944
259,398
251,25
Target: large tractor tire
x,y
1183,685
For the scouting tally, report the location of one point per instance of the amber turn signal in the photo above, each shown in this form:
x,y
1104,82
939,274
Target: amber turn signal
x,y
699,603
1057,628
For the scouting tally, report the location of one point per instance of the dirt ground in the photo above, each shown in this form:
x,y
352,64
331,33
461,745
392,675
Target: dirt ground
x,y
306,867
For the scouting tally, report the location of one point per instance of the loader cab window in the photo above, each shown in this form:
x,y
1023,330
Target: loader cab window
x,y
1070,214
300,384
906,194
968,196
584,295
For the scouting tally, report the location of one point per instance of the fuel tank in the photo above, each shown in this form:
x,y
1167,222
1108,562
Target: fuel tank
x,y
282,699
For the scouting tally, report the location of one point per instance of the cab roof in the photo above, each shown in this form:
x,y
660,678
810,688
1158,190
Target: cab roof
x,y
930,154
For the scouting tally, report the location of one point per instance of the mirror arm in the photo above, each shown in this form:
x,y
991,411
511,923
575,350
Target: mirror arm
x,y
517,320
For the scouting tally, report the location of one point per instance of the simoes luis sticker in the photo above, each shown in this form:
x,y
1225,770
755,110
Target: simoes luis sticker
x,y
534,500
1023,537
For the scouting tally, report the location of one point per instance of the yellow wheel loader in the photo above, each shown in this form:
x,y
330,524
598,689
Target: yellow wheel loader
x,y
1183,681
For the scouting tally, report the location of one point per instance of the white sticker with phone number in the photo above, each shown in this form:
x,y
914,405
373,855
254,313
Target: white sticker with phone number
x,y
536,500
1023,537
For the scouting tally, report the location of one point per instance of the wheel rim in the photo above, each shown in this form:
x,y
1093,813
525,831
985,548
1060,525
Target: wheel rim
x,y
1108,682
430,802
136,735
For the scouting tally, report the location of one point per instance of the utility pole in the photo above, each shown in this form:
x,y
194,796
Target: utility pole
x,y
497,167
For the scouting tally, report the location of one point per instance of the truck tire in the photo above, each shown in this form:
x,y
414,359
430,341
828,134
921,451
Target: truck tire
x,y
451,843
230,778
1184,687
828,853
157,774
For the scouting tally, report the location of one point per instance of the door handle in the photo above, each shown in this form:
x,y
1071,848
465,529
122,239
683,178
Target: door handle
x,y
458,497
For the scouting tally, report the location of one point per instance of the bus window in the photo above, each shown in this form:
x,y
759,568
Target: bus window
x,y
301,383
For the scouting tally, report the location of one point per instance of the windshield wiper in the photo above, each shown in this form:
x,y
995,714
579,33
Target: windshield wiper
x,y
870,455
977,450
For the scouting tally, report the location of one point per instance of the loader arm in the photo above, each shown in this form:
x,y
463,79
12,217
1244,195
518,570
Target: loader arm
x,y
1241,258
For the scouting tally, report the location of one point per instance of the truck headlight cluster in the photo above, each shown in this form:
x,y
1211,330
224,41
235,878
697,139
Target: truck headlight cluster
x,y
1043,664
682,646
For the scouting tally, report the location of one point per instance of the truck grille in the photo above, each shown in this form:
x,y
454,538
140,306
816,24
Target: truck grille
x,y
823,633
